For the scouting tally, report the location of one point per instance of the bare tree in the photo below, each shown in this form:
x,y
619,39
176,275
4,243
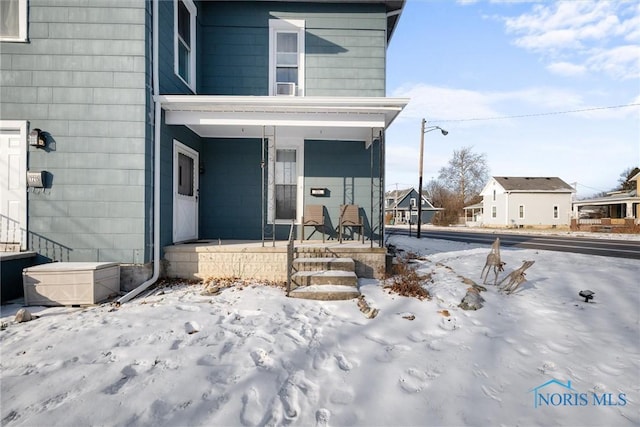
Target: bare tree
x,y
466,174
625,183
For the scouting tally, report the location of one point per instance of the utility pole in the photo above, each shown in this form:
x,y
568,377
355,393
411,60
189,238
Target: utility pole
x,y
420,177
423,130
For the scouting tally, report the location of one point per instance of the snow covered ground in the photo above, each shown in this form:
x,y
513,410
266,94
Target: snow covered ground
x,y
252,357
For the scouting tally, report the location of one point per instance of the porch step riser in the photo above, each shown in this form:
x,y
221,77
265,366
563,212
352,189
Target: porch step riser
x,y
323,296
324,278
319,264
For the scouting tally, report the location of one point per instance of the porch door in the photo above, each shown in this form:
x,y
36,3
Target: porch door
x,y
13,191
185,193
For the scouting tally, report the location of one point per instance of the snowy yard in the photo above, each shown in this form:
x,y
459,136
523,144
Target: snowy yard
x,y
252,357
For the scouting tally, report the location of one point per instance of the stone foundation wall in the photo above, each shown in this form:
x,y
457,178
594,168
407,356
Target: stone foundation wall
x,y
199,263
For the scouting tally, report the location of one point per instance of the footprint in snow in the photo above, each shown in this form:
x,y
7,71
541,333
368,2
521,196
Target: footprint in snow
x,y
189,308
343,363
320,358
322,417
251,413
392,352
416,380
289,397
261,358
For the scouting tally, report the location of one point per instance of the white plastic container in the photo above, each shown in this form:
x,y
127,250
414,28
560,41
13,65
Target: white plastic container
x,y
70,283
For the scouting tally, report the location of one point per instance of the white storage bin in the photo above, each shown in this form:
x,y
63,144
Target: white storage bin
x,y
70,283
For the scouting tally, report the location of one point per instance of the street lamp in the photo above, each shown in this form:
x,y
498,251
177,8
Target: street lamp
x,y
423,131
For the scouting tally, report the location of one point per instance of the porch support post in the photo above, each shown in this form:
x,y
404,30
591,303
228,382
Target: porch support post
x,y
382,187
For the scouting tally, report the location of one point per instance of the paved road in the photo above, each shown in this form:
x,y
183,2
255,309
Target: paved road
x,y
583,245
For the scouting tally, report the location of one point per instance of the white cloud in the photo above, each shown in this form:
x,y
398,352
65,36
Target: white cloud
x,y
566,69
621,62
588,33
445,103
442,103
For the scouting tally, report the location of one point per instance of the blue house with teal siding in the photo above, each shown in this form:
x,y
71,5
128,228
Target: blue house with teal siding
x,y
144,124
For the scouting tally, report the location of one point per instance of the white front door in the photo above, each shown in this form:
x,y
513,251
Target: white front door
x,y
13,176
185,193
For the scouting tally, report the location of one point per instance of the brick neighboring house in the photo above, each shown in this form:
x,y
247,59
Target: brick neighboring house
x,y
526,202
158,122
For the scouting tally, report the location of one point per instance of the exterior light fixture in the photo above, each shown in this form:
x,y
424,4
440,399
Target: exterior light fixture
x,y
37,138
424,130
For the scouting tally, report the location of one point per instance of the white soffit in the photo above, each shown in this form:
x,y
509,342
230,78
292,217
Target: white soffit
x,y
228,113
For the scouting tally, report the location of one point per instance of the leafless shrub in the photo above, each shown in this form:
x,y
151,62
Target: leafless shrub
x,y
407,282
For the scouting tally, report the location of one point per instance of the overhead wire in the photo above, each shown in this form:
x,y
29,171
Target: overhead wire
x,y
519,116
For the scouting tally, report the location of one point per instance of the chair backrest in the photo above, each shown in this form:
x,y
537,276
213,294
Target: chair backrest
x,y
313,215
350,215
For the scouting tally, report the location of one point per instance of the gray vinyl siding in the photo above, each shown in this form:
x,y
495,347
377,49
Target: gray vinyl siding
x,y
82,78
345,47
344,168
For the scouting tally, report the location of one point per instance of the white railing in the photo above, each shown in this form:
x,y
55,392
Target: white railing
x,y
590,221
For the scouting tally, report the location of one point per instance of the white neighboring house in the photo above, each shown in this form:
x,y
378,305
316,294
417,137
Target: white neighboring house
x,y
513,201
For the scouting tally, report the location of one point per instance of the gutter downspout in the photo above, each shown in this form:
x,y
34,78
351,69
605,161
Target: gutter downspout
x,y
156,167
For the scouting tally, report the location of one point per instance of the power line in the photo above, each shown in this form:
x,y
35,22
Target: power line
x,y
553,113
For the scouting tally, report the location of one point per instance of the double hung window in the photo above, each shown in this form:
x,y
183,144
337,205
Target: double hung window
x,y
286,58
185,41
286,184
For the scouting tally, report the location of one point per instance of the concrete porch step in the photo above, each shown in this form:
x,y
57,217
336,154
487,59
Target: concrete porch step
x,y
325,292
325,278
315,264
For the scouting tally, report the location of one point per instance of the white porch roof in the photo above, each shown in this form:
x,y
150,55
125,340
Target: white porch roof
x,y
345,118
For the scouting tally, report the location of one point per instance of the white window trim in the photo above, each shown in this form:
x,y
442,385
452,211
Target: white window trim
x,y
276,25
494,212
22,24
555,211
283,144
521,213
193,11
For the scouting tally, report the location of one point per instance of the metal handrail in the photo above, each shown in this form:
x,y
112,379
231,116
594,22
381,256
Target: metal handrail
x,y
290,253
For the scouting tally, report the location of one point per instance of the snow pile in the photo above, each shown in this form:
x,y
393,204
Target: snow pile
x,y
252,357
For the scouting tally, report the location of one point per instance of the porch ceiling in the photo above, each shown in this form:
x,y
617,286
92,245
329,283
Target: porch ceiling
x,y
308,117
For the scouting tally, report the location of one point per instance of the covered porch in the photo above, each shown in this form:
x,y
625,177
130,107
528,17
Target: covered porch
x,y
243,168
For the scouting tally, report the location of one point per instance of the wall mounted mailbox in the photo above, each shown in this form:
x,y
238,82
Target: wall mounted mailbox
x,y
36,179
319,192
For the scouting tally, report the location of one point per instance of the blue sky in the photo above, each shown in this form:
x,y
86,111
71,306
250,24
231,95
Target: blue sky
x,y
468,60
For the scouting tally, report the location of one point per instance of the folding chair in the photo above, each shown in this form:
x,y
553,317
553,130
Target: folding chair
x,y
313,217
350,217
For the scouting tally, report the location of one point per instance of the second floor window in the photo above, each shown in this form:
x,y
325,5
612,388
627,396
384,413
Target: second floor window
x,y
286,63
185,41
286,59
